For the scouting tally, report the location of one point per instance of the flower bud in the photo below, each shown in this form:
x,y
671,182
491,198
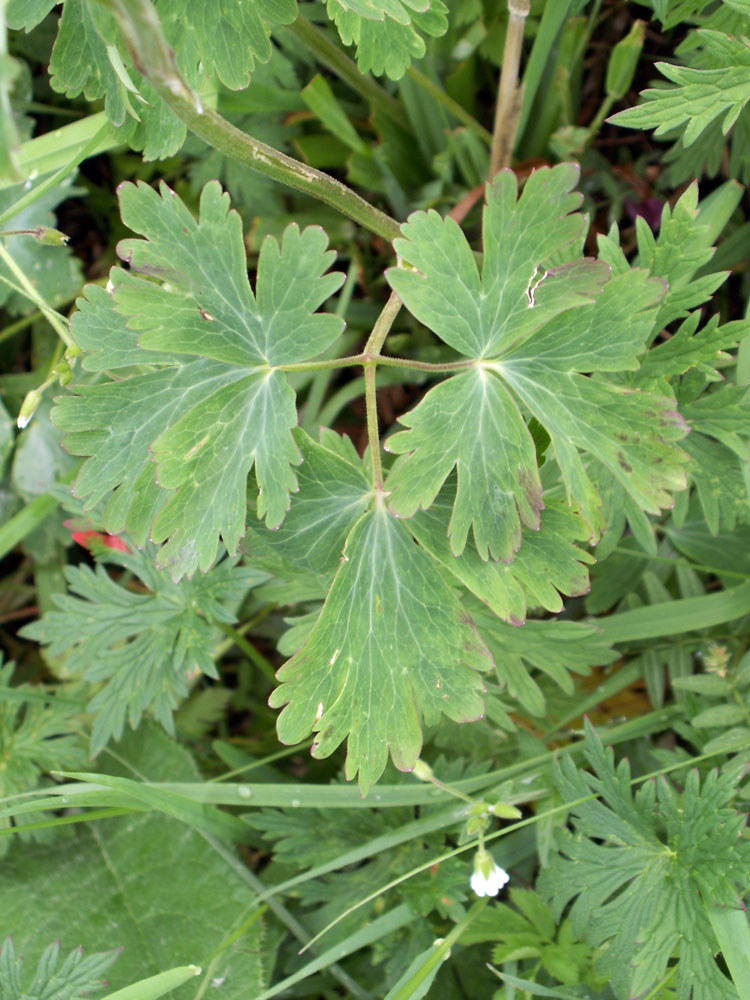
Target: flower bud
x,y
623,61
422,771
49,237
503,810
28,408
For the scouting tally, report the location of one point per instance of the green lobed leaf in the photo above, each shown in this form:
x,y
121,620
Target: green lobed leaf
x,y
333,494
215,404
471,423
388,45
538,331
27,14
138,647
392,645
228,35
557,649
548,563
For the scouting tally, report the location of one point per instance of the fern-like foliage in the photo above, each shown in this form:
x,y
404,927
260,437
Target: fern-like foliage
x,y
37,734
140,645
77,978
644,871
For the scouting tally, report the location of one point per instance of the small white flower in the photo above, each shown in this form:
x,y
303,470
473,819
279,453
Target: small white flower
x,y
488,878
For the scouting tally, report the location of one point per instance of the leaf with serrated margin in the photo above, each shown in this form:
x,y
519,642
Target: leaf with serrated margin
x,y
548,563
216,405
640,871
228,35
79,62
555,648
333,494
690,348
388,44
392,645
699,95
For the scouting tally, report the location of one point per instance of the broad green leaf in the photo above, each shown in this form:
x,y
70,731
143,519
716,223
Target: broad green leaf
x,y
27,14
645,869
483,316
76,977
144,883
539,331
80,64
547,564
139,648
392,645
699,95
470,423
228,35
389,44
214,404
333,495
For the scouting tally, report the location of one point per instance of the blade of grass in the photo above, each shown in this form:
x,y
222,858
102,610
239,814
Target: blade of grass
x,y
733,934
554,16
690,614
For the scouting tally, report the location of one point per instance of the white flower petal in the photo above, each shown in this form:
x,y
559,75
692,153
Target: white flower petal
x,y
478,883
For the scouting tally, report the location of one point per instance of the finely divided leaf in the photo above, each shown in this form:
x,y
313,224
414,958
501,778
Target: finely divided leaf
x,y
699,95
644,871
555,648
139,647
392,645
76,978
38,733
214,404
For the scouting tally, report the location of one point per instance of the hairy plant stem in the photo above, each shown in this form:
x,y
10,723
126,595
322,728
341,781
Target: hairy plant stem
x,y
328,53
509,94
153,57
